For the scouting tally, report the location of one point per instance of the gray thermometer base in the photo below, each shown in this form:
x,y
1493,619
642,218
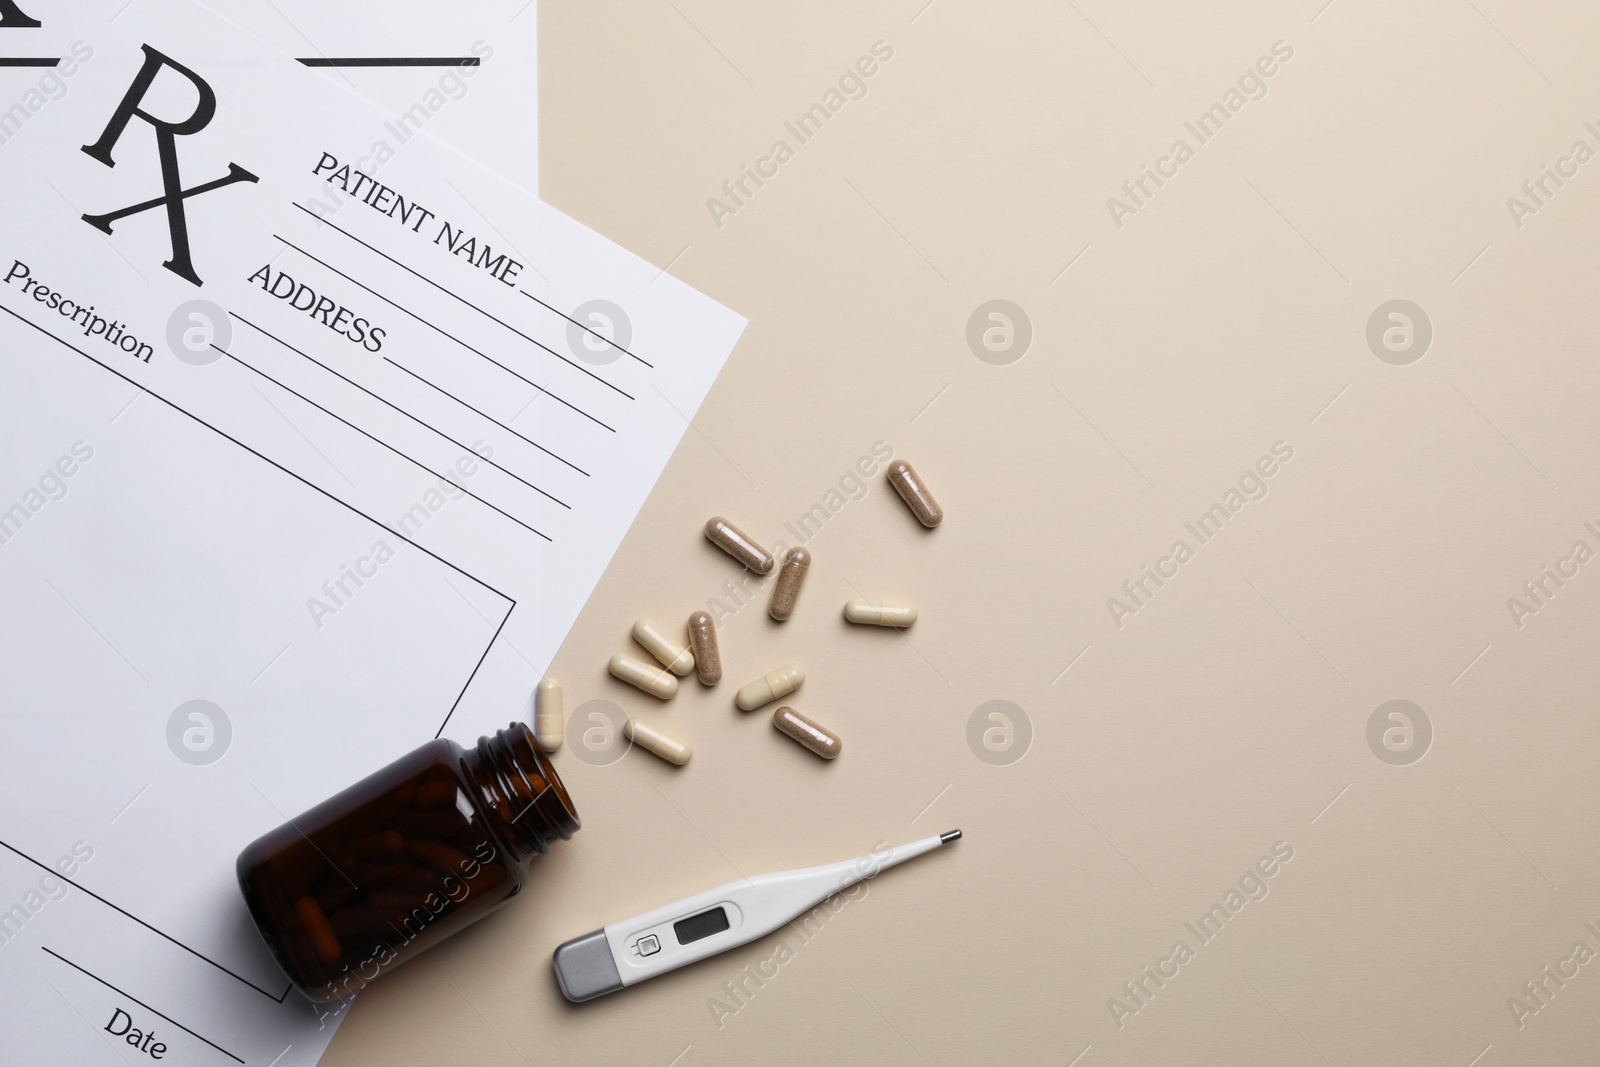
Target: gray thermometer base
x,y
586,969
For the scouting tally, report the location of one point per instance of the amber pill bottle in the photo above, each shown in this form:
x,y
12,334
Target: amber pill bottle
x,y
403,859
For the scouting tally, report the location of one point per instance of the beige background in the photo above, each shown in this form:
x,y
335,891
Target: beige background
x,y
1228,714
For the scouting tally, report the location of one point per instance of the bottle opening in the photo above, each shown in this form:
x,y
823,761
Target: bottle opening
x,y
523,795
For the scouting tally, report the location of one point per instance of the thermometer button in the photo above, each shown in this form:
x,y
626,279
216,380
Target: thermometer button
x,y
648,945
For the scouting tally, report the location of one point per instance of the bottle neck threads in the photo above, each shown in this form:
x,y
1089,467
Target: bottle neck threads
x,y
519,793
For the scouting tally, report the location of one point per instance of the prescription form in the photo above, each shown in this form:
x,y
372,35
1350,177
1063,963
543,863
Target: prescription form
x,y
314,456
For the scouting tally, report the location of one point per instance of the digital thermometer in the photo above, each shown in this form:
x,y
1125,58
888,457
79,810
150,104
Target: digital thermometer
x,y
627,952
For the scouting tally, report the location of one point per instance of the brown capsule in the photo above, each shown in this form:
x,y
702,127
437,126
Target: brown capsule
x,y
793,724
787,588
315,924
703,643
736,543
915,494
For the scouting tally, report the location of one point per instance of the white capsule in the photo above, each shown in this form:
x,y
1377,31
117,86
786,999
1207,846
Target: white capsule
x,y
549,727
673,656
769,687
885,614
650,739
645,676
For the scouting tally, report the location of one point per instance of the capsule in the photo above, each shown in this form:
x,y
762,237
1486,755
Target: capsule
x,y
915,493
793,724
673,656
769,687
787,588
645,676
736,543
549,727
314,921
703,643
652,740
886,613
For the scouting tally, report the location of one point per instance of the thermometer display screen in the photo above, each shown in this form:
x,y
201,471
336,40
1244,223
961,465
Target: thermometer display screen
x,y
696,927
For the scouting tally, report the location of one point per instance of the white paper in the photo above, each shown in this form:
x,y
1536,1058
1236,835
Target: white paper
x,y
408,59
187,531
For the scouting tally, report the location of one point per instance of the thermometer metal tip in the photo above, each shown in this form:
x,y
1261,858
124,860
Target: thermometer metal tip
x,y
705,924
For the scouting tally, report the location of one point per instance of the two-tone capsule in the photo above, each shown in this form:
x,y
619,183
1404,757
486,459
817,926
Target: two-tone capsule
x,y
787,588
703,644
644,676
549,726
791,723
915,493
671,655
656,742
770,686
738,544
884,613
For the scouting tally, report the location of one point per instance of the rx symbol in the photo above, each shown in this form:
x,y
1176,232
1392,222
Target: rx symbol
x,y
167,134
